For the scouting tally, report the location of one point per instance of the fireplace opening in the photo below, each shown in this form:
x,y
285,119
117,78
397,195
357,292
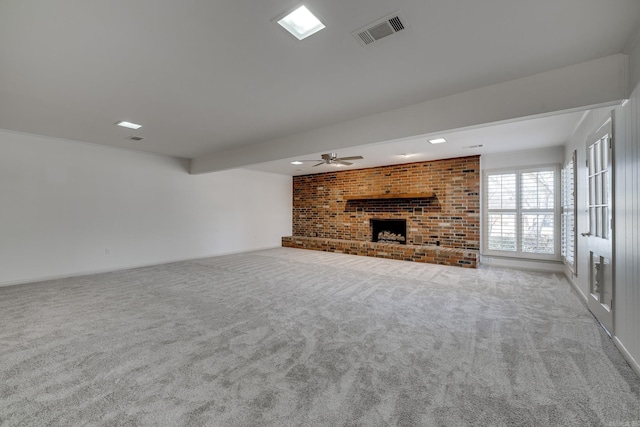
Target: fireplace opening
x,y
389,230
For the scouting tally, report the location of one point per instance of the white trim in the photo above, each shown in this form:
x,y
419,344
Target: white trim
x,y
627,356
518,212
126,267
573,160
522,264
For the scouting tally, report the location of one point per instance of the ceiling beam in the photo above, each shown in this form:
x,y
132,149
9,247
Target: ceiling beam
x,y
599,82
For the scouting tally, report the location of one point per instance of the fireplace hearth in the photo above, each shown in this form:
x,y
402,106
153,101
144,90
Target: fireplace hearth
x,y
389,231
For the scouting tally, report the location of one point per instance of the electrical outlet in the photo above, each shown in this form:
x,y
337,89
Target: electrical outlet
x,y
107,251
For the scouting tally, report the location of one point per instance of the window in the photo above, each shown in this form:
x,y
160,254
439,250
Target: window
x,y
521,212
568,229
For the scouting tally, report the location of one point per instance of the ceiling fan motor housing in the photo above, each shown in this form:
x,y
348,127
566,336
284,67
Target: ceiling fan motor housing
x,y
333,158
328,158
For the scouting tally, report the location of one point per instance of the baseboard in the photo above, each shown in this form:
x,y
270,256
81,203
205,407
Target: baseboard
x,y
623,350
583,297
628,357
523,264
125,267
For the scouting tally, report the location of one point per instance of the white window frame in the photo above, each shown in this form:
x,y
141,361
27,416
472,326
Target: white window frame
x,y
569,243
518,253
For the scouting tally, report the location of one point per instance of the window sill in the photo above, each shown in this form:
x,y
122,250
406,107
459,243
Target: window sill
x,y
548,265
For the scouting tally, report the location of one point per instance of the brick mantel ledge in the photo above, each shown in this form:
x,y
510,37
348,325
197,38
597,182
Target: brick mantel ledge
x,y
418,253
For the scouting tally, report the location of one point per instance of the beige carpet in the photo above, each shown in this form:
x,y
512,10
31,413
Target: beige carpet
x,y
288,337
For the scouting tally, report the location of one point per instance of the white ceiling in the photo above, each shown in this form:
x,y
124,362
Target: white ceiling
x,y
206,76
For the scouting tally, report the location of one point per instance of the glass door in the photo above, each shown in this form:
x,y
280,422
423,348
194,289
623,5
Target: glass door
x,y
600,234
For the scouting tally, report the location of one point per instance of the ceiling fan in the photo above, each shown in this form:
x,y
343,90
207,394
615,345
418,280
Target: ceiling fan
x,y
333,159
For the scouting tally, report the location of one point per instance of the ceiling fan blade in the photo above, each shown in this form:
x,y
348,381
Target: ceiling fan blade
x,y
350,158
313,160
340,162
321,163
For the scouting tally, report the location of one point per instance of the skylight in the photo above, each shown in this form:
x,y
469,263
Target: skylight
x,y
129,125
301,23
437,141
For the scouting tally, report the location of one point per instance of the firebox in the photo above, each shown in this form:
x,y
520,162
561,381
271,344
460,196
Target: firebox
x,y
389,230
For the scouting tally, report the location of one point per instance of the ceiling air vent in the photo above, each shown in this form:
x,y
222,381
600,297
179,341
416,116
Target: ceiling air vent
x,y
380,29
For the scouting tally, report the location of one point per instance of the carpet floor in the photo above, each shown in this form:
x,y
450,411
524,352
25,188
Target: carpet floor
x,y
287,337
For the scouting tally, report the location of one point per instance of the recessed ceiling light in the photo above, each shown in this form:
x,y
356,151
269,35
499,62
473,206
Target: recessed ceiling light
x,y
437,140
407,155
296,162
301,23
129,125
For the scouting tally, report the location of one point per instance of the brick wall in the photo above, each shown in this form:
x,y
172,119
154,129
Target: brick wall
x,y
451,218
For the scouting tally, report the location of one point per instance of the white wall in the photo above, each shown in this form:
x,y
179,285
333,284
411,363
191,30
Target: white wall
x,y
63,203
626,161
519,159
627,217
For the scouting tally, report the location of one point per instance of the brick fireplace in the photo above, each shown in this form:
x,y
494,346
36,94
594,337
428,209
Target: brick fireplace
x,y
438,201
